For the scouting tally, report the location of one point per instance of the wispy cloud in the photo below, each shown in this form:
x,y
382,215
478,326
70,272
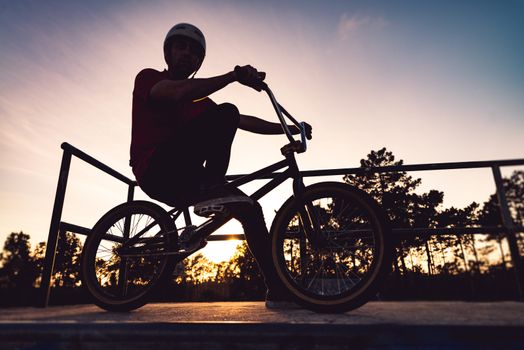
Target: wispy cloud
x,y
348,25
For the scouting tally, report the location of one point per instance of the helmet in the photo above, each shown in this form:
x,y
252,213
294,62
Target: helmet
x,y
187,30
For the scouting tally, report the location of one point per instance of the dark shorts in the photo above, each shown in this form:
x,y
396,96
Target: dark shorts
x,y
177,168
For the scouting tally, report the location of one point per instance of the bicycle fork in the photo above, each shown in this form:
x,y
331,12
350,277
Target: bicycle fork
x,y
306,211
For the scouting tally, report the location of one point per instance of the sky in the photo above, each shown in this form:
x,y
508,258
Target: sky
x,y
433,81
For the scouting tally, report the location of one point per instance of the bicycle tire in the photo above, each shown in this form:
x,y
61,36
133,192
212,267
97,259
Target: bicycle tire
x,y
124,284
354,251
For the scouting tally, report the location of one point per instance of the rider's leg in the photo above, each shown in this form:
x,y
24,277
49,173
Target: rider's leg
x,y
219,127
214,132
176,169
259,243
225,124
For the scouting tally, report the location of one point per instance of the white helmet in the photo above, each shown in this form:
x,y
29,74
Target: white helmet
x,y
187,30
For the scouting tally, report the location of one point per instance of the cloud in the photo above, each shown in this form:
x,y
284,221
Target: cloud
x,y
351,24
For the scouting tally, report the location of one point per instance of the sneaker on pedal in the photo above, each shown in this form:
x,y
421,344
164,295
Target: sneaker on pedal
x,y
215,201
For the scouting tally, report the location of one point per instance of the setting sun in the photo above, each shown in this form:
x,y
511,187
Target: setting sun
x,y
220,251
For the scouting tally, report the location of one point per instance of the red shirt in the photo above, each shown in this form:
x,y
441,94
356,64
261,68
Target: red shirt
x,y
154,124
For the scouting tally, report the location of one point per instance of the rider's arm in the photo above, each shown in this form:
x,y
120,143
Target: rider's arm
x,y
260,126
176,91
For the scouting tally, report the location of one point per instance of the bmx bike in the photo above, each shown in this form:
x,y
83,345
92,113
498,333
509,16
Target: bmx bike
x,y
330,241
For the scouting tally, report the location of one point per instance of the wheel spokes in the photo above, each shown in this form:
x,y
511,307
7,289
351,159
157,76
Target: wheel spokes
x,y
127,276
346,252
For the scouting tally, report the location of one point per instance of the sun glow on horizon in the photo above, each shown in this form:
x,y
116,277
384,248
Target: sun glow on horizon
x,y
220,251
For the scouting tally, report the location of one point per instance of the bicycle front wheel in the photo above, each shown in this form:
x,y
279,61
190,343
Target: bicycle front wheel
x,y
122,259
330,248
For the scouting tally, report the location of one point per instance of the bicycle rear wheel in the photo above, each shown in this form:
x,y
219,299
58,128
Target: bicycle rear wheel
x,y
121,261
331,249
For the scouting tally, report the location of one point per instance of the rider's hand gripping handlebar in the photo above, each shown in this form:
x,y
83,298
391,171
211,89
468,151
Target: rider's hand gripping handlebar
x,y
303,138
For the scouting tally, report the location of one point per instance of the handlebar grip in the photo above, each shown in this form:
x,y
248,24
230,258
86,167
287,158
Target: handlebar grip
x,y
303,137
255,83
261,85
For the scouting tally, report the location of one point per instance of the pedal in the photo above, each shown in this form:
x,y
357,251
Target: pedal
x,y
211,209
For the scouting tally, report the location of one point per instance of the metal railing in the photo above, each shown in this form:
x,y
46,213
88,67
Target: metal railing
x,y
58,227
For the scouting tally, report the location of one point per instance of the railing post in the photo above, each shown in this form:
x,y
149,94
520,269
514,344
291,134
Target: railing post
x,y
52,239
507,221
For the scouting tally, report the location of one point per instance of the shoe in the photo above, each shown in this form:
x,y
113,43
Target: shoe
x,y
190,241
219,206
280,301
216,200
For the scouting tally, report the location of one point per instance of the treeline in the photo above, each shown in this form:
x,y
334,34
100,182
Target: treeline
x,y
454,266
195,278
442,254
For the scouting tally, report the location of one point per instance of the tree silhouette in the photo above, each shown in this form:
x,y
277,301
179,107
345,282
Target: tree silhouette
x,y
243,275
38,255
464,247
395,191
18,266
197,269
67,269
489,214
514,187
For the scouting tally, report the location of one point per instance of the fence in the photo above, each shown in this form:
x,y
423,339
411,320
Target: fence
x,y
57,226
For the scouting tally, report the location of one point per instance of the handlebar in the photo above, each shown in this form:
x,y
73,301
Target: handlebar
x,y
303,137
280,111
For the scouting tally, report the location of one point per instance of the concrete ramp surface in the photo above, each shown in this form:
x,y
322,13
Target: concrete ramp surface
x,y
249,325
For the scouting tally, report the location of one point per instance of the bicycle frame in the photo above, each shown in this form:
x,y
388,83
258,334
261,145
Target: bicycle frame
x,y
321,249
292,171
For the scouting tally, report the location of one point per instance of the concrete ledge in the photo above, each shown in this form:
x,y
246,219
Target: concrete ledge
x,y
229,336
249,325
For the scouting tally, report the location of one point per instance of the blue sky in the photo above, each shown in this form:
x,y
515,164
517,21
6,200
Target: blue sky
x,y
432,81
